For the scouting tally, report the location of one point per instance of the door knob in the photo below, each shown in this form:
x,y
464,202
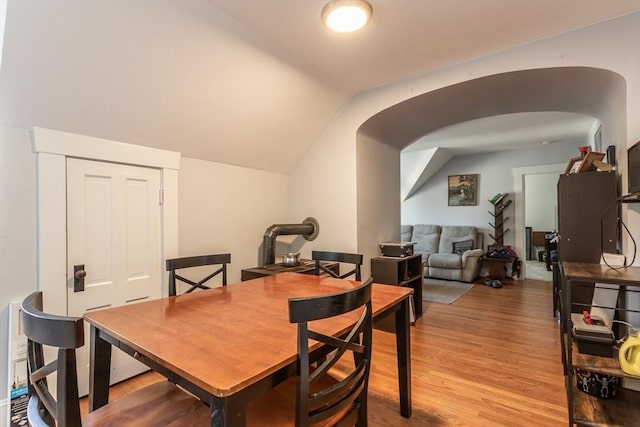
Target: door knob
x,y
78,278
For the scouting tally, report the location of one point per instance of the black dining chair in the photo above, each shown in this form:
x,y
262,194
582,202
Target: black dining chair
x,y
196,261
322,398
342,257
160,404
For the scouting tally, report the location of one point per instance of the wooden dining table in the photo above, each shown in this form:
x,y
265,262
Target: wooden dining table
x,y
228,344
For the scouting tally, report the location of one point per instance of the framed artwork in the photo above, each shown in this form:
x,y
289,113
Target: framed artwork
x,y
597,140
463,190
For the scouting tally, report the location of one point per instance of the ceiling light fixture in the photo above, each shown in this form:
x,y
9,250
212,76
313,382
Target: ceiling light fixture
x,y
345,16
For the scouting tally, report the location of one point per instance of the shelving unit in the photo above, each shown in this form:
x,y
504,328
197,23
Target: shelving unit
x,y
401,271
499,203
584,409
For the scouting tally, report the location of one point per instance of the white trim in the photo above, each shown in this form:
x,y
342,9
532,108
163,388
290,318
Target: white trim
x,y
518,191
88,147
52,148
4,410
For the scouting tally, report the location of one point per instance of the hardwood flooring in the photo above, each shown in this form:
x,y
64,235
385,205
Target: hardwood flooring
x,y
490,359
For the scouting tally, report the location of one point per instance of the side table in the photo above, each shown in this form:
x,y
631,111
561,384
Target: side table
x,y
402,271
497,266
306,266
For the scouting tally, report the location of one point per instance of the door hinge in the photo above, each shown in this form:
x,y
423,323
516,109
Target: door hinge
x,y
161,197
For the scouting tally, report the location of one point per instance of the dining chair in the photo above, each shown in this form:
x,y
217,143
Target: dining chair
x,y
323,399
341,257
160,404
196,261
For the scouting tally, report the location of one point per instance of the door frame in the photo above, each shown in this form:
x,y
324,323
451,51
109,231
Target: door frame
x,y
518,190
52,148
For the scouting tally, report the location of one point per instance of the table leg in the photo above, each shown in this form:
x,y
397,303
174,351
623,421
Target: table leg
x,y
99,370
403,346
228,411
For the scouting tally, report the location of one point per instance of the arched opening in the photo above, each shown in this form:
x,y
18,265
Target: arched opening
x,y
596,93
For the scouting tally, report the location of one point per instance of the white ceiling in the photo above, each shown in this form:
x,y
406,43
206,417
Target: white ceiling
x,y
409,37
245,82
515,131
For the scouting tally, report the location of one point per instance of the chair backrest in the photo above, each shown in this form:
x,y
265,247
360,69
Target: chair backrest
x,y
320,400
66,334
196,261
342,257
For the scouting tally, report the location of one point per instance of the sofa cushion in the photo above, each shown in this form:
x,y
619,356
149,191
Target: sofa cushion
x,y
427,238
461,247
406,233
445,261
455,233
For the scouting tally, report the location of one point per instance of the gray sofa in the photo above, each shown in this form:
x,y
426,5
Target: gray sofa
x,y
450,252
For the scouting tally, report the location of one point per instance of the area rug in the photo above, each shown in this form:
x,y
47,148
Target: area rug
x,y
443,291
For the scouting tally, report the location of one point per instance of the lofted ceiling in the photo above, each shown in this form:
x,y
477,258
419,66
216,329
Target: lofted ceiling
x,y
244,82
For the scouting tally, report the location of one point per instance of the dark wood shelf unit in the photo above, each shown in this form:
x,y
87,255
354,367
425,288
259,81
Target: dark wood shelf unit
x,y
499,219
584,409
401,271
622,410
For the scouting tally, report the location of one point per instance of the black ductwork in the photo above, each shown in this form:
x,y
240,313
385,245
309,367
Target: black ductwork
x,y
309,229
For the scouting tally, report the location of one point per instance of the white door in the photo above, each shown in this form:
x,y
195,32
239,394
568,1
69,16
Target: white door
x,y
114,232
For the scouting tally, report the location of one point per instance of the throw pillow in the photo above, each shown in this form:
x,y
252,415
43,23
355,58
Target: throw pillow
x,y
460,247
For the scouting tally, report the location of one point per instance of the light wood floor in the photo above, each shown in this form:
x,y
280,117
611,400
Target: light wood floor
x,y
490,359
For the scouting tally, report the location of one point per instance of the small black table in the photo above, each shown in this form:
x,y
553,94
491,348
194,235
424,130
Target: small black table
x,y
306,266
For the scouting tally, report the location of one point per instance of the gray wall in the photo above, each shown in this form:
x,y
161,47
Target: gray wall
x,y
429,204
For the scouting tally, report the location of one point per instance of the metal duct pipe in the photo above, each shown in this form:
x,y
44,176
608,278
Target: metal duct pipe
x,y
309,229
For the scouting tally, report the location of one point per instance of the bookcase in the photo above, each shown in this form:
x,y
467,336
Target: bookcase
x,y
583,408
401,271
500,202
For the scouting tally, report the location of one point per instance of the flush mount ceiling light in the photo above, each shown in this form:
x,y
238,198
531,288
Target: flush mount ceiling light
x,y
345,16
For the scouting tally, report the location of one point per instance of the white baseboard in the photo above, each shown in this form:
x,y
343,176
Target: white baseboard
x,y
4,413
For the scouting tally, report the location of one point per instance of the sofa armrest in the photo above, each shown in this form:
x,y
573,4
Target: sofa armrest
x,y
473,253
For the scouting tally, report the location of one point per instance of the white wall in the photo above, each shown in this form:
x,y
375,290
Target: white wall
x,y
610,45
541,201
377,204
324,186
429,205
225,208
221,209
17,232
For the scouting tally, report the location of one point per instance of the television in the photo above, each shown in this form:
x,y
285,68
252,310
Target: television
x,y
633,168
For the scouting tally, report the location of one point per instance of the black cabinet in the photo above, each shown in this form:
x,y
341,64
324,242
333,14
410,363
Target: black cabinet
x,y
583,199
587,220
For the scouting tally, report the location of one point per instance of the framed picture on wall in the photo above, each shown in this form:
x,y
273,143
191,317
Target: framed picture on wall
x,y
463,190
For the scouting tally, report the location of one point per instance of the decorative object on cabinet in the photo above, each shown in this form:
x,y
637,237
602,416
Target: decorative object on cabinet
x,y
462,190
573,165
500,203
586,404
593,161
